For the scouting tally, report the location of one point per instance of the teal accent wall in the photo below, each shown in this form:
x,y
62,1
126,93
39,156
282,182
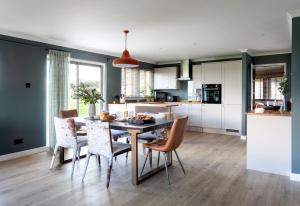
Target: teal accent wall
x,y
295,89
274,59
182,93
23,110
246,89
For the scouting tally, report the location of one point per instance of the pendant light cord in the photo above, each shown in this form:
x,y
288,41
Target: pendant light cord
x,y
126,32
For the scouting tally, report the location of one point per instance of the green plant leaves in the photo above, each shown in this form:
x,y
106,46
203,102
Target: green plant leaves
x,y
87,94
284,86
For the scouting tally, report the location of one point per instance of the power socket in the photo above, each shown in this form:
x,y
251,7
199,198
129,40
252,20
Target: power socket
x,y
18,141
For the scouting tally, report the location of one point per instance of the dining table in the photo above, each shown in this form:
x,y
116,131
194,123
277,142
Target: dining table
x,y
134,131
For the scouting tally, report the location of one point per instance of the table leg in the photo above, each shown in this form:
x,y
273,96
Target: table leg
x,y
170,113
134,156
170,161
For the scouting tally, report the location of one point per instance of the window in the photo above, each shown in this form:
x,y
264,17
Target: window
x,y
267,88
274,85
259,89
88,74
136,82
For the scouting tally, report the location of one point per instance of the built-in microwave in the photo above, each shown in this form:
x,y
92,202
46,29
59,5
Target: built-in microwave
x,y
211,93
161,96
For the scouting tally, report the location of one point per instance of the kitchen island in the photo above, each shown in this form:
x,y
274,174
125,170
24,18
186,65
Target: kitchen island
x,y
269,142
142,107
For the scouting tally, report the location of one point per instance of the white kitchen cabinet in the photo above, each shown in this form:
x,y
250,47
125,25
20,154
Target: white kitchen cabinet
x,y
173,82
197,76
195,115
212,116
166,78
232,117
232,82
193,111
161,78
181,110
212,73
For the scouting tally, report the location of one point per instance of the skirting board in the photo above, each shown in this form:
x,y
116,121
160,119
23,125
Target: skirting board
x,y
23,153
295,177
243,137
219,131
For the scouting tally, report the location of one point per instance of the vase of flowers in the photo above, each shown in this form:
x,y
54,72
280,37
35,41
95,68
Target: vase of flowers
x,y
88,95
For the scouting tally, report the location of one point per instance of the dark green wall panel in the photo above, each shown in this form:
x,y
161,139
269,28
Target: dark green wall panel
x,y
295,73
246,89
22,112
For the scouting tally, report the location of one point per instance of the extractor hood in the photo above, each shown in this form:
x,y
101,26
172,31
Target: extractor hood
x,y
185,70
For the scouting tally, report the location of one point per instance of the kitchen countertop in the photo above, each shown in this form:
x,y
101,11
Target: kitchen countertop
x,y
270,113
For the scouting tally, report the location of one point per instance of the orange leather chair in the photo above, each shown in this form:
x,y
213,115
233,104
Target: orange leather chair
x,y
172,142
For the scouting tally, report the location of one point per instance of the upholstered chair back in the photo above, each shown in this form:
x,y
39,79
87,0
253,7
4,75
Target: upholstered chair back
x,y
99,138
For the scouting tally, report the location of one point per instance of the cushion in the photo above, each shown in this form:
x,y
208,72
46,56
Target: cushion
x,y
72,126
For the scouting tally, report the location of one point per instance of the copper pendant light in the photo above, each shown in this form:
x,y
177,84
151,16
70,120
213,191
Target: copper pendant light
x,y
125,61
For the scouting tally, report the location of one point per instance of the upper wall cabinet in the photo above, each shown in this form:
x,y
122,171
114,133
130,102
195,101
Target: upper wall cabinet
x,y
197,76
232,82
166,78
212,73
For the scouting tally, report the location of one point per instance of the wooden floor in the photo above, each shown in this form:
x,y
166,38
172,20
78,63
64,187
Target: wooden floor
x,y
216,175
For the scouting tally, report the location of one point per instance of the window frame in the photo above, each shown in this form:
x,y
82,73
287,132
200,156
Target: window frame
x,y
102,78
265,65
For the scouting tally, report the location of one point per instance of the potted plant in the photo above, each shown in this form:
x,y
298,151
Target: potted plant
x,y
284,89
152,94
88,95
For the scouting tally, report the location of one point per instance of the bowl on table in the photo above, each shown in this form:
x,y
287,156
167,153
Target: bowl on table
x,y
141,119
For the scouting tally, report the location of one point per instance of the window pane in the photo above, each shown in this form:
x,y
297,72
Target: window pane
x,y
136,82
72,82
258,88
90,76
142,86
275,94
149,82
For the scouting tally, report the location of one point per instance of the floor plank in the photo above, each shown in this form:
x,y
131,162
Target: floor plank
x,y
216,175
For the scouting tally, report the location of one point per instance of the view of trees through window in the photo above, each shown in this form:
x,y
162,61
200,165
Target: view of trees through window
x,y
90,75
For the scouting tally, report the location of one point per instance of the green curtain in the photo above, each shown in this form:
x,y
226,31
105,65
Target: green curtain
x,y
58,88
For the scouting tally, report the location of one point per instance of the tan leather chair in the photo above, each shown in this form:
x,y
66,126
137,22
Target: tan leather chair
x,y
68,113
172,142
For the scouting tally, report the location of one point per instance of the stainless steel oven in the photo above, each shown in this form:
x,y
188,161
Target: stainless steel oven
x,y
211,93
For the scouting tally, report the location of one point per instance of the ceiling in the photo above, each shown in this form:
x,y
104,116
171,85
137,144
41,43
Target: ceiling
x,y
160,30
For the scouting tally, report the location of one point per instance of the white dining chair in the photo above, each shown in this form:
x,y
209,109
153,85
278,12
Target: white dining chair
x,y
66,137
100,143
